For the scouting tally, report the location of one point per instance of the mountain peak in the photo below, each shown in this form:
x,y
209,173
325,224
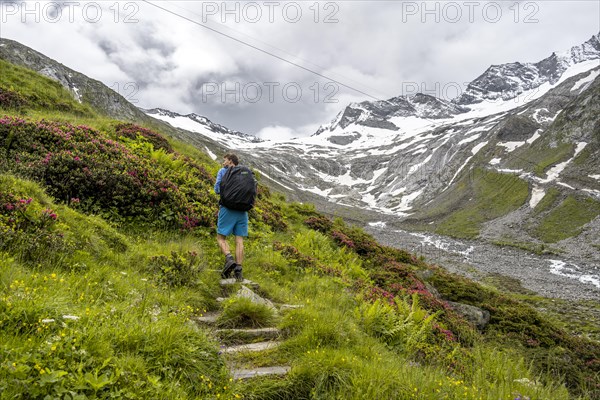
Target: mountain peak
x,y
506,81
200,121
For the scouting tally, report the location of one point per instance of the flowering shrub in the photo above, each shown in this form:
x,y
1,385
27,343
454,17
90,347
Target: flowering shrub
x,y
269,214
342,239
27,229
132,131
319,223
77,162
11,99
303,261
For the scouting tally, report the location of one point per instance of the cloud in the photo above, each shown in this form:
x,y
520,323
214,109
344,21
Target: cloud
x,y
276,133
382,49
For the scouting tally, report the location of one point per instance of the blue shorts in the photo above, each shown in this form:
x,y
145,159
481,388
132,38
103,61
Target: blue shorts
x,y
232,221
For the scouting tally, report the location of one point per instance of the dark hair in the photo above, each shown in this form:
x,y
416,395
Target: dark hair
x,y
232,157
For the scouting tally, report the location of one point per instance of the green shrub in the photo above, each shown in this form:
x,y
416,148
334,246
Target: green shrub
x,y
176,270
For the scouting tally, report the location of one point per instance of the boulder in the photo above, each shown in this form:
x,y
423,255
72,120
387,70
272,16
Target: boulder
x,y
479,317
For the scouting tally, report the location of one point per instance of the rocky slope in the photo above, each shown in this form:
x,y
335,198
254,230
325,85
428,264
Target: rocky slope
x,y
83,88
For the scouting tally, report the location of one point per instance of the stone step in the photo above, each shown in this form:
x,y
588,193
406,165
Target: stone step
x,y
251,347
247,335
256,372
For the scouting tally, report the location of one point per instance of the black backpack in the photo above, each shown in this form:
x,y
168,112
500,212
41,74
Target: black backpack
x,y
238,188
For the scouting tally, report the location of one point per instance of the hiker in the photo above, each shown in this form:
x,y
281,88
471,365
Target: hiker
x,y
237,189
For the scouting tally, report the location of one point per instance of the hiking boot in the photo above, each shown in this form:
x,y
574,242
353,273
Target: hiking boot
x,y
228,267
237,272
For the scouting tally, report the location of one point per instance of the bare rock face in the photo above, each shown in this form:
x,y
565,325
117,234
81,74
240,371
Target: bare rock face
x,y
517,128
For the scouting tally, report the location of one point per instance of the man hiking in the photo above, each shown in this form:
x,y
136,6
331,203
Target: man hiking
x,y
237,189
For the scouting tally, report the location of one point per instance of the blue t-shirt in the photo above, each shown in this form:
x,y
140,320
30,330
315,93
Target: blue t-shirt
x,y
219,178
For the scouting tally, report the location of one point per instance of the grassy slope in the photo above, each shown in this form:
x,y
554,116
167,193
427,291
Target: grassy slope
x,y
91,306
476,198
567,219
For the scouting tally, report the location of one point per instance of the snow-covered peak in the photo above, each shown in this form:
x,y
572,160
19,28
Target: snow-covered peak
x,y
510,80
200,124
590,50
381,114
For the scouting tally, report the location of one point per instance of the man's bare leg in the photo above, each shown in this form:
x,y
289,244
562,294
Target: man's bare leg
x,y
223,245
239,250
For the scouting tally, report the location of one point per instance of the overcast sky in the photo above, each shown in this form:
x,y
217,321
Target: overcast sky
x,y
355,50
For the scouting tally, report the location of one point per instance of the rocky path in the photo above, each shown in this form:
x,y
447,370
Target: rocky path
x,y
240,345
548,275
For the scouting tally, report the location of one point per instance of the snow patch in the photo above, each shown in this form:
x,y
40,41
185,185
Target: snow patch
x,y
407,200
495,161
448,246
535,137
378,224
275,180
565,185
474,150
478,147
537,194
511,146
593,192
509,171
555,171
469,139
210,153
315,190
597,177
77,94
586,81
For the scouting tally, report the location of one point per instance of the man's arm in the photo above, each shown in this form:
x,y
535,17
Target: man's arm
x,y
219,178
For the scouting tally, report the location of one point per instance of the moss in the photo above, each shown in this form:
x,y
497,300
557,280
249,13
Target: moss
x,y
567,219
506,283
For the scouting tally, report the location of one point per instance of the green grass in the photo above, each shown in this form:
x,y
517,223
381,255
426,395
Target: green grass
x,y
548,201
542,160
40,93
118,328
493,195
567,219
239,312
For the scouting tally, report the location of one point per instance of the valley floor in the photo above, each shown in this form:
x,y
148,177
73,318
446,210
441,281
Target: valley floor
x,y
547,275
